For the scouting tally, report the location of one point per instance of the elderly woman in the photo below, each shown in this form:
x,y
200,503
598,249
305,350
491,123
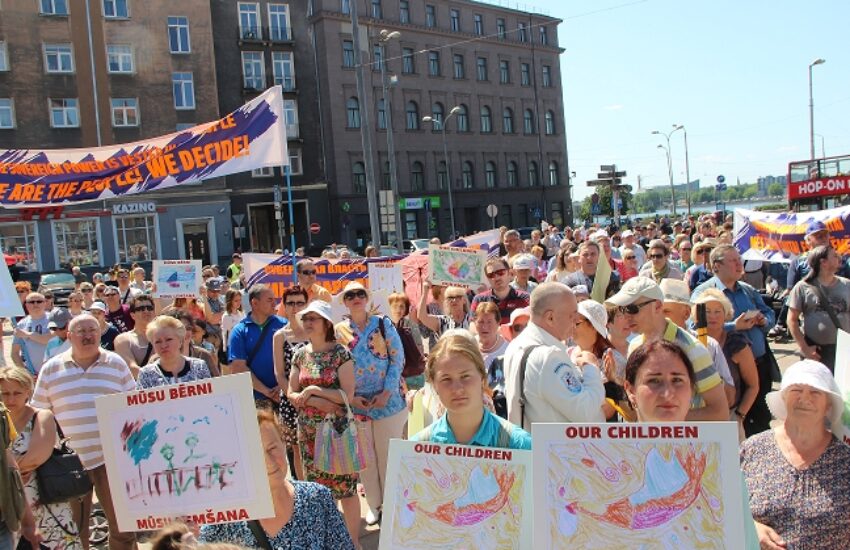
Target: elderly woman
x,y
404,324
36,437
492,345
455,310
166,335
658,265
305,516
378,362
822,301
797,472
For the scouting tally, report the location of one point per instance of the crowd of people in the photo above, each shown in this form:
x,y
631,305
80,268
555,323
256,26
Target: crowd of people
x,y
581,325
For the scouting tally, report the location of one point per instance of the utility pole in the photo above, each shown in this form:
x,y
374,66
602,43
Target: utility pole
x,y
610,177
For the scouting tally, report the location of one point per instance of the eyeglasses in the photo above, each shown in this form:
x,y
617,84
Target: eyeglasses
x,y
110,293
87,290
354,294
295,304
453,298
308,272
629,257
657,256
633,309
142,308
35,302
86,331
124,276
497,273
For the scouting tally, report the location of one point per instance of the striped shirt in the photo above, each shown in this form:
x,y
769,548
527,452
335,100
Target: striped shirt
x,y
69,391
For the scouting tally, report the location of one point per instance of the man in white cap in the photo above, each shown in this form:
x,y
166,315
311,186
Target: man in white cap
x,y
629,242
642,302
541,382
522,266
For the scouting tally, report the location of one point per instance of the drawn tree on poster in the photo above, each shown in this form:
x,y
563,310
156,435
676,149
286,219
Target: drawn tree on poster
x,y
138,438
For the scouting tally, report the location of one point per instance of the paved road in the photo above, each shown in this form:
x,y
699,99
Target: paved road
x,y
785,354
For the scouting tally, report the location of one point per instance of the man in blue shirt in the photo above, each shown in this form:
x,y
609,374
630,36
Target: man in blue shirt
x,y
250,347
753,317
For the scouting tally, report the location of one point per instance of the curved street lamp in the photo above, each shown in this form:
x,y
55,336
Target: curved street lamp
x,y
384,37
669,167
441,123
818,61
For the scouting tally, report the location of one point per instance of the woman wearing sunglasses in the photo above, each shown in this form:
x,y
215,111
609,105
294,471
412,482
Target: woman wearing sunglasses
x,y
455,310
378,362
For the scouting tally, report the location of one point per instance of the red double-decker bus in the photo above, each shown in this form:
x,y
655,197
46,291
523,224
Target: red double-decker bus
x,y
820,183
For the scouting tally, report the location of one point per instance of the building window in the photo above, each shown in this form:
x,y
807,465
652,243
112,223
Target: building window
x,y
462,118
479,24
504,72
378,57
183,86
386,183
290,118
283,70
513,173
557,213
554,179
528,121
434,63
178,35
501,28
279,29
382,114
430,16
116,8
53,7
505,212
544,36
296,167
377,10
486,120
76,242
345,6
412,112
347,53
249,20
547,76
454,19
508,121
4,57
64,113
457,60
417,177
442,175
253,71
358,178
264,172
550,123
490,176
7,113
533,176
58,58
136,238
525,74
125,112
404,11
468,175
437,115
119,59
352,109
18,240
481,68
408,61
522,32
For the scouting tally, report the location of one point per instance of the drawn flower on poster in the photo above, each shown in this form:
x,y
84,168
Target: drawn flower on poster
x,y
454,266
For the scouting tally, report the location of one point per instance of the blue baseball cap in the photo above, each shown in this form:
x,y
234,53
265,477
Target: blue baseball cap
x,y
816,227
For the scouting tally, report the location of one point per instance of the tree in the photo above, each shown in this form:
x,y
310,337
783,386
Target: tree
x,y
775,190
605,195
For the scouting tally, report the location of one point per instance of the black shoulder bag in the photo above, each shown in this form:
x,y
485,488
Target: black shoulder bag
x,y
826,305
61,477
522,365
259,343
260,534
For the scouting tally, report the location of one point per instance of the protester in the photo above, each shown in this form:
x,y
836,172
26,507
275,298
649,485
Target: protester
x,y
630,243
539,371
628,268
408,329
232,315
31,335
138,281
455,308
212,304
87,291
700,272
58,325
68,385
108,333
250,345
305,516
456,372
588,264
822,302
75,303
323,379
513,244
126,292
166,335
378,364
133,346
36,437
522,267
190,306
118,313
561,270
501,292
518,321
234,270
796,472
492,347
189,348
642,301
659,265
305,271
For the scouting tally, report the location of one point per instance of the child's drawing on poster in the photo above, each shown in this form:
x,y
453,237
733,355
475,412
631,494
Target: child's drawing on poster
x,y
386,276
842,377
177,278
456,266
596,491
451,496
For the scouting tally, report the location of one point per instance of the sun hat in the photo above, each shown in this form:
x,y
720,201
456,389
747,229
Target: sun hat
x,y
813,374
524,261
354,285
581,289
320,308
627,233
99,306
505,329
596,314
676,291
635,288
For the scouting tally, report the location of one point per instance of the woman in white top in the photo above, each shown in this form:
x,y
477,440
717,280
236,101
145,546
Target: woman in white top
x,y
232,315
455,309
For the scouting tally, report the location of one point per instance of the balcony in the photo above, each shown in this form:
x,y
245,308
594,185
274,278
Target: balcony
x,y
264,35
250,34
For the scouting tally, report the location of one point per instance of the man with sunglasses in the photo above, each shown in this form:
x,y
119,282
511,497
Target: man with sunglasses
x,y
118,314
305,271
641,300
31,335
501,293
659,266
125,291
133,346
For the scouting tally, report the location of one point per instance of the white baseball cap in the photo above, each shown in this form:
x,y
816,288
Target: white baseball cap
x,y
524,261
635,288
676,291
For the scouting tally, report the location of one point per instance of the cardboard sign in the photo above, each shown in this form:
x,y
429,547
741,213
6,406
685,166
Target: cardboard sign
x,y
842,376
10,306
177,278
448,265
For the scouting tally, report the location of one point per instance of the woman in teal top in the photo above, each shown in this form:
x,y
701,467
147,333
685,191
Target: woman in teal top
x,y
456,372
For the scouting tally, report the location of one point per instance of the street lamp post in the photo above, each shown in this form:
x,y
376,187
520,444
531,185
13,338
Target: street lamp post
x,y
687,165
669,167
386,36
442,124
818,61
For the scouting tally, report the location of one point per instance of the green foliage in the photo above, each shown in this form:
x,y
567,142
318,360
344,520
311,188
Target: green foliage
x,y
605,195
776,190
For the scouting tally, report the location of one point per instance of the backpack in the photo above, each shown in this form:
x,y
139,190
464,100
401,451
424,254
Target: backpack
x,y
414,361
12,499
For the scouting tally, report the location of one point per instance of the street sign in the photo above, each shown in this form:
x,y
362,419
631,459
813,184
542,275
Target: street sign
x,y
536,212
721,179
596,209
608,167
610,181
278,196
315,228
345,207
720,187
237,219
492,210
612,174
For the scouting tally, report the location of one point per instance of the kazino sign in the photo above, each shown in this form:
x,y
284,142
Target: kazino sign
x,y
819,188
133,208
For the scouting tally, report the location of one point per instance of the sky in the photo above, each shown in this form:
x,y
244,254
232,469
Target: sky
x,y
734,73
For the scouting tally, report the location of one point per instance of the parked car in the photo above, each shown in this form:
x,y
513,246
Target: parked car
x,y
61,283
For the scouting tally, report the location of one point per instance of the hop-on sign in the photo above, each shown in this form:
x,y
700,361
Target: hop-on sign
x,y
608,175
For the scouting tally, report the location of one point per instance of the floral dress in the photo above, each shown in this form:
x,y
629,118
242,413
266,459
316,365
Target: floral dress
x,y
54,521
288,414
320,369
